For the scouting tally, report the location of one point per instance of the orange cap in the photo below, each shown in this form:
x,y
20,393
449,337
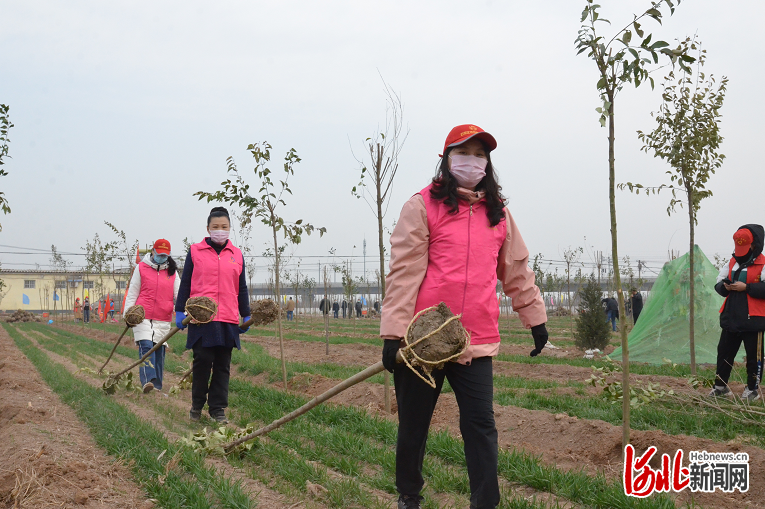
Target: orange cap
x,y
162,247
743,239
463,133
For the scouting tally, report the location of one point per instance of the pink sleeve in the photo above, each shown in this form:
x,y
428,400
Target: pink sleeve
x,y
518,279
408,264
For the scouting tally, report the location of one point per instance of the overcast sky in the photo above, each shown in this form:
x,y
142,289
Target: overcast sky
x,y
123,110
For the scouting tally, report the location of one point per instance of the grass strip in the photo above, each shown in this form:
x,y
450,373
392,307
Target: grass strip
x,y
266,404
257,361
682,370
124,435
666,416
69,342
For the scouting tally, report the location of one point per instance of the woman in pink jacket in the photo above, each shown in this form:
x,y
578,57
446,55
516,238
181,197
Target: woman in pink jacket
x,y
453,241
213,268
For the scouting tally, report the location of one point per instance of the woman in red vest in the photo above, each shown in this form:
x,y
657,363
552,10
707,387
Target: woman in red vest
x,y
214,268
742,316
154,286
453,241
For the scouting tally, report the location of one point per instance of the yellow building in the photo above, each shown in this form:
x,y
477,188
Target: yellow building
x,y
40,290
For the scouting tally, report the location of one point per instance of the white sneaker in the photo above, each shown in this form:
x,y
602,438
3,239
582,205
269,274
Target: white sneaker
x,y
750,395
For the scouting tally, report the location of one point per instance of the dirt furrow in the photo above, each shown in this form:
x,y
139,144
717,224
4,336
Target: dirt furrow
x,y
49,457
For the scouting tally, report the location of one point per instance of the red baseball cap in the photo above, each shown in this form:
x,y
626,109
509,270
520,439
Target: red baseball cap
x,y
162,247
462,133
743,239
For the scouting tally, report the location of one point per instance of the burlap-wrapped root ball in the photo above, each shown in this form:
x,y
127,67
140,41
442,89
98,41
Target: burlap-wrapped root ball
x,y
134,315
438,345
201,309
263,312
22,316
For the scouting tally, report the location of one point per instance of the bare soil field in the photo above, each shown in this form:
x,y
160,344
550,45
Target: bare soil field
x,y
55,463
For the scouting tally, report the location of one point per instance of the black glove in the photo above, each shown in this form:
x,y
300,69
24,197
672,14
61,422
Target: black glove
x,y
389,353
539,333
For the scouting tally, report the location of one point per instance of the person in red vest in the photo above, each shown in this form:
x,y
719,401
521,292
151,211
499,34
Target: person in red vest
x,y
742,315
154,286
213,268
453,241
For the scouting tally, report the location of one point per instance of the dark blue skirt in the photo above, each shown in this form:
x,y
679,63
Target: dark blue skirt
x,y
212,334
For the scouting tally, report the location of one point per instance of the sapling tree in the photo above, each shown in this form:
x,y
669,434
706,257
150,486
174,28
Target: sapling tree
x,y
349,284
687,136
5,126
98,258
376,182
571,258
309,284
265,205
245,245
379,169
294,279
327,307
629,56
59,264
123,251
590,330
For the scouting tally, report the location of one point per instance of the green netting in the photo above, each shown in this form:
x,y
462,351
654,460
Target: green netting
x,y
662,331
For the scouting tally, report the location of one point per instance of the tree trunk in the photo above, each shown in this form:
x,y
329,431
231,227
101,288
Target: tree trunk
x,y
691,304
617,281
568,286
326,311
381,247
278,301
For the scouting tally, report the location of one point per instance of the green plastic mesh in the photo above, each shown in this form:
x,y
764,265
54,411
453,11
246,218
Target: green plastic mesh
x,y
663,329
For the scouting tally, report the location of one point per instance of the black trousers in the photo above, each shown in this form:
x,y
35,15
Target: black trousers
x,y
213,391
473,387
728,347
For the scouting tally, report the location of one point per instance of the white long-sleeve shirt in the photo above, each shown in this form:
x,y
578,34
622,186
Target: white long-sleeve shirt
x,y
148,330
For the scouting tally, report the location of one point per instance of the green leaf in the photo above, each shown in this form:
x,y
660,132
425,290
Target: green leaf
x,y
638,31
627,38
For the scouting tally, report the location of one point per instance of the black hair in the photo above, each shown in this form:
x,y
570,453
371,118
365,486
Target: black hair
x,y
218,212
445,189
172,267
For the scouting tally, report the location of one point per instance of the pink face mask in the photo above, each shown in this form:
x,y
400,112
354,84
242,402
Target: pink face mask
x,y
468,170
219,236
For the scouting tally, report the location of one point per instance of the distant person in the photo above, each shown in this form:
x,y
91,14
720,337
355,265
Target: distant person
x,y
377,306
154,286
111,309
612,311
335,308
742,316
637,304
77,309
344,306
358,309
290,309
324,306
86,310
